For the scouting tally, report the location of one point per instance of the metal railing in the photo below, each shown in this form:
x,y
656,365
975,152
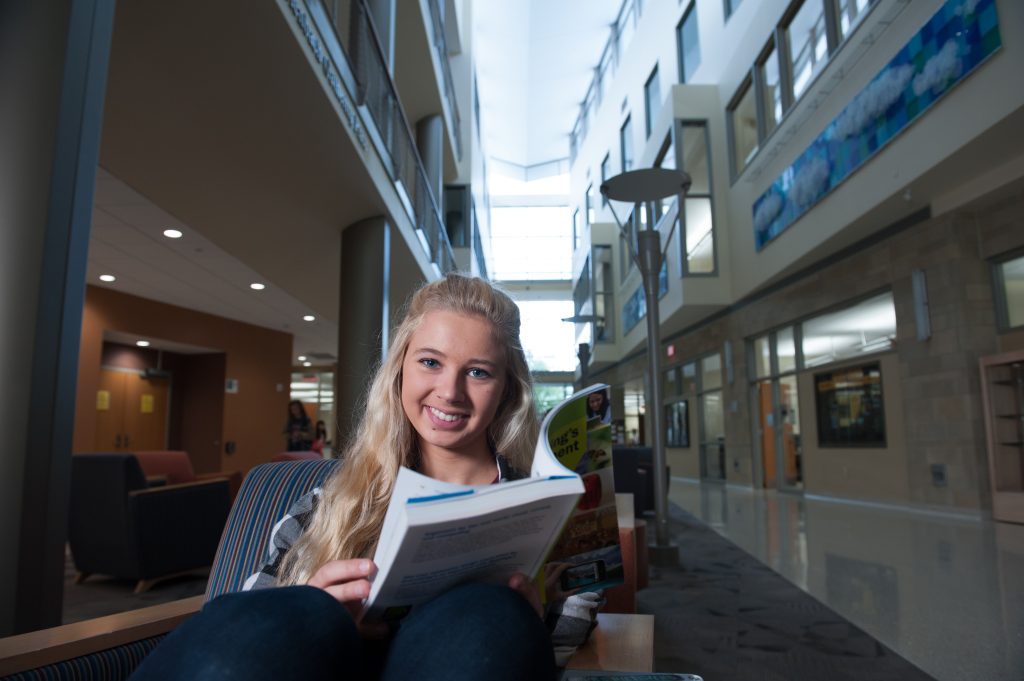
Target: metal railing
x,y
441,45
376,91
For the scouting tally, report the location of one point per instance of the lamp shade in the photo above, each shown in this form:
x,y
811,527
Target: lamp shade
x,y
645,184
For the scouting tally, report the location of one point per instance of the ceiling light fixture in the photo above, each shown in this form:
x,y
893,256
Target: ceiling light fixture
x,y
307,364
301,358
256,286
142,344
108,277
308,318
172,233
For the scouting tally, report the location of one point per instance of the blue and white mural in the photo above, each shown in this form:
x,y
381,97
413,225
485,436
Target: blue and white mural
x,y
957,38
635,308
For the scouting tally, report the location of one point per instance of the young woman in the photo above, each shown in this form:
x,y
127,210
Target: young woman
x,y
453,400
298,428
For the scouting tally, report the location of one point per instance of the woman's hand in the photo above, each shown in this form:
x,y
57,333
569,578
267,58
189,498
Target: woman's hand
x,y
525,587
348,581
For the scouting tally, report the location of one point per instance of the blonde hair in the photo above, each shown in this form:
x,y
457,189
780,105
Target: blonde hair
x,y
350,512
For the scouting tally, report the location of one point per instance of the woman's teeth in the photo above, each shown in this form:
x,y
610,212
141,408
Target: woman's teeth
x,y
443,416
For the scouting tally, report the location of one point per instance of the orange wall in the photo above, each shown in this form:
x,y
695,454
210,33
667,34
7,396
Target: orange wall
x,y
259,358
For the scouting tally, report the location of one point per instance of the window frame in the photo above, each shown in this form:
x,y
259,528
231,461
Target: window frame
x,y
690,11
999,298
626,127
606,163
651,107
730,111
678,131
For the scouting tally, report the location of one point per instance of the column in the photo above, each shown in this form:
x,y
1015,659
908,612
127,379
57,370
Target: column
x,y
54,55
430,145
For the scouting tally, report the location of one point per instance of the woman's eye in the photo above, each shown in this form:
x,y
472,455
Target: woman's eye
x,y
430,363
479,373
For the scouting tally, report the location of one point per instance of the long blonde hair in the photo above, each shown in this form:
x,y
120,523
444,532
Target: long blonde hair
x,y
350,512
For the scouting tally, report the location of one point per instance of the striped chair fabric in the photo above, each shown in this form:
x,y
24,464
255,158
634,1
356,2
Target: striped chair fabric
x,y
266,494
113,664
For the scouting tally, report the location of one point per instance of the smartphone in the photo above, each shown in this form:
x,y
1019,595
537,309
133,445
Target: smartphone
x,y
584,574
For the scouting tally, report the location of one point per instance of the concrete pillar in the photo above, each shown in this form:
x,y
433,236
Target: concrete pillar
x,y
363,318
383,13
430,145
54,55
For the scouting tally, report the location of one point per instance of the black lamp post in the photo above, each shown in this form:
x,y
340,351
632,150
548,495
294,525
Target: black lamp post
x,y
644,187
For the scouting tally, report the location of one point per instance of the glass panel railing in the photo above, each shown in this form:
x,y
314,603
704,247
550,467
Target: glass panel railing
x,y
440,44
376,91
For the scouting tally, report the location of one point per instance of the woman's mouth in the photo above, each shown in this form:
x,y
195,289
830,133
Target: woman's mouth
x,y
443,418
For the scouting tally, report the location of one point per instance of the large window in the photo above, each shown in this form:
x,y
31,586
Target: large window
x,y
850,409
688,44
697,220
850,14
868,326
666,159
531,242
626,144
731,6
808,44
1010,292
712,421
549,345
591,208
652,101
776,408
743,127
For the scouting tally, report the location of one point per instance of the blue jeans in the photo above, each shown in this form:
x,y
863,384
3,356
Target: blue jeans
x,y
474,631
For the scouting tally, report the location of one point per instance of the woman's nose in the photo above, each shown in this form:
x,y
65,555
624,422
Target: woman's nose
x,y
449,386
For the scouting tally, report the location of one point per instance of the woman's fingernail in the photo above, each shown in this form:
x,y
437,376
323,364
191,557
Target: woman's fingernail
x,y
364,566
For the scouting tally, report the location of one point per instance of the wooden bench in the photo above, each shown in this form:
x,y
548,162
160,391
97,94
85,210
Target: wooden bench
x,y
619,643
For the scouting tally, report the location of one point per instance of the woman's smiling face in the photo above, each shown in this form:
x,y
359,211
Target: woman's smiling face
x,y
453,379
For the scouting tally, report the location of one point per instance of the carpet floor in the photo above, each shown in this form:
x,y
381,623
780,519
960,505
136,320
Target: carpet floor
x,y
725,616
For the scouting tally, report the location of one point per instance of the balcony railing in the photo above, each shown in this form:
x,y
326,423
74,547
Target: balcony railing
x,y
441,45
376,91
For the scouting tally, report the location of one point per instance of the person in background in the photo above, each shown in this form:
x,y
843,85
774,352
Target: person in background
x,y
299,428
319,438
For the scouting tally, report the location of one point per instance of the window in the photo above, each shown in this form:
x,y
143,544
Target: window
x,y
731,6
626,144
666,159
850,408
808,44
743,128
604,292
1009,290
677,424
868,326
652,101
591,210
688,44
548,346
776,409
531,242
576,231
606,165
712,418
850,14
697,220
771,92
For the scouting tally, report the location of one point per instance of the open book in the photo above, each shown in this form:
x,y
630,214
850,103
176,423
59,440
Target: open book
x,y
437,534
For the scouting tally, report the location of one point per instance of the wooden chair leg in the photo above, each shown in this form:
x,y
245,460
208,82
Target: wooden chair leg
x,y
81,577
144,585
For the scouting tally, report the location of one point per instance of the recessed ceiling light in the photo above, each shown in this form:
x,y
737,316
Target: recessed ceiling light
x,y
256,286
301,358
172,233
142,344
308,318
108,277
307,364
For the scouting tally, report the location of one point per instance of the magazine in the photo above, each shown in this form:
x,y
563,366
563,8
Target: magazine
x,y
437,534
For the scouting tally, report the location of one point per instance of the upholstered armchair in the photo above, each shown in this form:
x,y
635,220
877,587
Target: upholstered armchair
x,y
119,526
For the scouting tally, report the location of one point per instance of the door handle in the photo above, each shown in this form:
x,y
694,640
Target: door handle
x,y
127,440
117,441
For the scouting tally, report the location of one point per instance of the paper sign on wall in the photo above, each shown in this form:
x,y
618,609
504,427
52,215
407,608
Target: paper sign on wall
x,y
102,400
147,404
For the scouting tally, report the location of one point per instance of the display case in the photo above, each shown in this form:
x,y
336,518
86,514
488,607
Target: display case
x,y
1002,382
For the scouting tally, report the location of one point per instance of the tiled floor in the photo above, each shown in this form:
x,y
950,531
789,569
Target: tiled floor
x,y
944,590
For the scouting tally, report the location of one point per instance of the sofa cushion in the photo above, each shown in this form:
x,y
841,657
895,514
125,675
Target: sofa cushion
x,y
174,465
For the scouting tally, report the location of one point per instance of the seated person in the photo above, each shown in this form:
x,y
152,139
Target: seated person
x,y
452,400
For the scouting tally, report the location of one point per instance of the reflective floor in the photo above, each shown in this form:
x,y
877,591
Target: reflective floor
x,y
944,590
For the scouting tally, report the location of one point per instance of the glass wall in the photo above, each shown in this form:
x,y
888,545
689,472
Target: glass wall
x,y
743,126
531,242
808,44
777,409
712,421
771,90
697,226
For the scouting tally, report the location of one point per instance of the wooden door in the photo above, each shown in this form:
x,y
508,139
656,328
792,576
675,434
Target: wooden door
x,y
131,412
